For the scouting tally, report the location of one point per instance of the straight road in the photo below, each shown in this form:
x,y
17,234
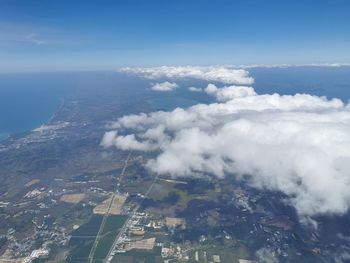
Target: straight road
x,y
105,216
123,229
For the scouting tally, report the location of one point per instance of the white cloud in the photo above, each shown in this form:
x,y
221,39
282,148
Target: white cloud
x,y
299,144
219,73
194,89
230,92
34,39
164,86
211,89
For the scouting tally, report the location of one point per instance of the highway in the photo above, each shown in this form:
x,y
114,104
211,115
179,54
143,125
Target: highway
x,y
123,229
105,216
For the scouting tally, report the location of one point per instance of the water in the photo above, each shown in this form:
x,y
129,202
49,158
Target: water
x,y
29,100
332,82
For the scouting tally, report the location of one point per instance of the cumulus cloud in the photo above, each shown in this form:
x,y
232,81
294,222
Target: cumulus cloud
x,y
164,86
298,144
222,74
229,93
194,89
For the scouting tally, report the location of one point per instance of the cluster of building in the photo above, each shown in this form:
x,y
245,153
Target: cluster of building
x,y
22,250
42,134
131,236
42,232
38,253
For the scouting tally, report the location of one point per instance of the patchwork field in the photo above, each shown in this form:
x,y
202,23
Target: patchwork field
x,y
113,205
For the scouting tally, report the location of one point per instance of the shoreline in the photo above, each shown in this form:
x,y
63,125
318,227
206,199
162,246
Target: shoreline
x,y
6,136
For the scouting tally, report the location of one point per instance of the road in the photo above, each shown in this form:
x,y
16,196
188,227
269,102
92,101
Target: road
x,y
123,229
105,216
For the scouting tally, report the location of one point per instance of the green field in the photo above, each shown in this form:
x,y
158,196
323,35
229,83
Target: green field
x,y
114,223
90,228
82,239
104,245
81,250
134,256
111,229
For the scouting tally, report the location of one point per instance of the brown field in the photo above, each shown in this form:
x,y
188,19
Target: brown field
x,y
114,204
145,244
72,198
10,260
174,221
32,182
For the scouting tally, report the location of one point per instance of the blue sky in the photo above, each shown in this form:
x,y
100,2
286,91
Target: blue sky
x,y
79,35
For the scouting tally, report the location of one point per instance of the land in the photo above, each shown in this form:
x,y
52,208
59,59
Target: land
x,y
72,198
113,205
65,198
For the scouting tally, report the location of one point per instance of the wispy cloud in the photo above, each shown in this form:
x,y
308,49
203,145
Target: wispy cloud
x,y
37,35
12,32
33,38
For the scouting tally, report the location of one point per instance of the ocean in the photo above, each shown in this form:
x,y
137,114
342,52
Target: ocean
x,y
29,100
331,82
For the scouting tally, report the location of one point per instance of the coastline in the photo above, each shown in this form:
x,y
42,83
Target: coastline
x,y
6,136
63,100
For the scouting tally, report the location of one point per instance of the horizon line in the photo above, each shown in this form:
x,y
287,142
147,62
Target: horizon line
x,y
236,66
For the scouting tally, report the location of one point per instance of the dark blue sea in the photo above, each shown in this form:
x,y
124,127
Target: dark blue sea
x,y
29,100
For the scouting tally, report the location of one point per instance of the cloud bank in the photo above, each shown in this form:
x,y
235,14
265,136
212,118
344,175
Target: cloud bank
x,y
164,86
299,144
219,73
